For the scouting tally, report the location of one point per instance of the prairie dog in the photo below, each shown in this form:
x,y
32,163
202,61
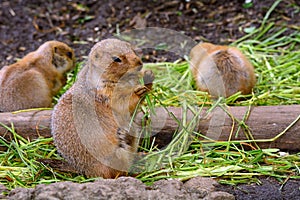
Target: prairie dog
x,y
91,122
35,79
221,70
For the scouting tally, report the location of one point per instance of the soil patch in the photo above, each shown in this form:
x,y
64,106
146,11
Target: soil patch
x,y
25,24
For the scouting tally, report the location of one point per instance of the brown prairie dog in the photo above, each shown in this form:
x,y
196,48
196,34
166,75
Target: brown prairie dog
x,y
35,79
221,70
90,123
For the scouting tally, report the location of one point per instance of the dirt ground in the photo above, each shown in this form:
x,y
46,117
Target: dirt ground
x,y
25,24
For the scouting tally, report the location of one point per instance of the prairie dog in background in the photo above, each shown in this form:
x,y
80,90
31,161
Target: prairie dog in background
x,y
221,70
90,123
36,78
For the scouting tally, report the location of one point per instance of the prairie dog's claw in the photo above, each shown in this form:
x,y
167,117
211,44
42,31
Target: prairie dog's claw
x,y
141,91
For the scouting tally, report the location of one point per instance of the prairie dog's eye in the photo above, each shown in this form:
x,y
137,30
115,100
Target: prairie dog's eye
x,y
116,59
69,54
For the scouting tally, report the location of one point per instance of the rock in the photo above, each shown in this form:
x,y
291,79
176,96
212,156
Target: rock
x,y
174,189
219,196
123,188
201,183
3,190
208,186
21,193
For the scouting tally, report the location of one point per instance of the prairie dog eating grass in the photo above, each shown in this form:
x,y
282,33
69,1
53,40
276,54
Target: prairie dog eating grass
x,y
91,122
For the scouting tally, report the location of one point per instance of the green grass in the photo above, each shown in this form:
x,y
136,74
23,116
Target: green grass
x,y
277,67
19,165
276,58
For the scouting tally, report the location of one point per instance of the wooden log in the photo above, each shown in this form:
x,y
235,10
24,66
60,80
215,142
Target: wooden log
x,y
265,122
30,125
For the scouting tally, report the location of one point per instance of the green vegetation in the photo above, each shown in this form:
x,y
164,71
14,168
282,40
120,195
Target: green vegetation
x,y
276,57
20,166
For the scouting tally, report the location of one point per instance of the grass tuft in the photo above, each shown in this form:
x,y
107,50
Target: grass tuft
x,y
19,165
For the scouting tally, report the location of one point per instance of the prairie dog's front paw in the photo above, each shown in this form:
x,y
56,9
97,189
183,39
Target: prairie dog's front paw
x,y
148,77
141,91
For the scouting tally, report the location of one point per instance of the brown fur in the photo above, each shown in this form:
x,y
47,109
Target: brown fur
x,y
221,70
90,123
35,79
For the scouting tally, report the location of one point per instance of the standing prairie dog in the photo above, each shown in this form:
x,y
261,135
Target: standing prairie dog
x,y
221,70
91,122
35,79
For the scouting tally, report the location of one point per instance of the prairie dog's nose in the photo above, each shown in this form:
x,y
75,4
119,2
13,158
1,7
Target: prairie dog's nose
x,y
134,60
